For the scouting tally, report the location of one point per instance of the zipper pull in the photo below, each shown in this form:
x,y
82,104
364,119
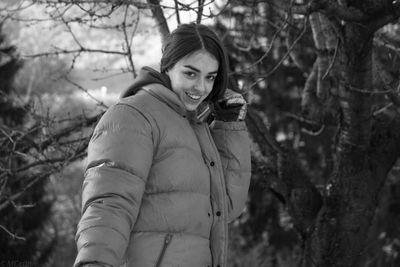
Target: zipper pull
x,y
168,238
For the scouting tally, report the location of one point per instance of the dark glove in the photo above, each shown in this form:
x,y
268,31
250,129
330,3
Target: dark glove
x,y
231,107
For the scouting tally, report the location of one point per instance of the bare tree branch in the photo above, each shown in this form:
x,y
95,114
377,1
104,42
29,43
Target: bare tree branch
x,y
310,105
158,15
264,76
269,140
61,51
15,236
200,11
128,42
100,103
44,161
300,195
330,7
178,18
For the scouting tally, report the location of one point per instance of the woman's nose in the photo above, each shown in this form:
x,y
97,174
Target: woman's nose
x,y
200,85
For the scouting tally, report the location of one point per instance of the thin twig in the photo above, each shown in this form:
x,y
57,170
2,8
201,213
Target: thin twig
x,y
363,91
128,44
24,206
61,51
178,18
100,103
263,77
301,119
200,11
271,42
331,7
15,236
7,135
333,59
379,111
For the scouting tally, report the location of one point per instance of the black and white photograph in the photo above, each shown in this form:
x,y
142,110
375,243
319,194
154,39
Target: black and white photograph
x,y
199,133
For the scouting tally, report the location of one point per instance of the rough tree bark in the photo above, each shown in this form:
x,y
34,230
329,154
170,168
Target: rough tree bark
x,y
368,145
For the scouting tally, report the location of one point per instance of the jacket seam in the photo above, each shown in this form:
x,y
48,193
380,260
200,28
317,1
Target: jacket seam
x,y
182,233
113,165
148,117
166,103
174,191
136,109
101,226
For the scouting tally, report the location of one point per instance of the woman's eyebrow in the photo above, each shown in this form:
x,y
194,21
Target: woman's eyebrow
x,y
197,70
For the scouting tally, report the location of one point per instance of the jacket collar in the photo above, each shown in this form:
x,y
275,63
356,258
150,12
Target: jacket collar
x,y
169,97
166,96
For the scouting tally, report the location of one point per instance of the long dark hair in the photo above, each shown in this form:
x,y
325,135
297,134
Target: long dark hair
x,y
188,38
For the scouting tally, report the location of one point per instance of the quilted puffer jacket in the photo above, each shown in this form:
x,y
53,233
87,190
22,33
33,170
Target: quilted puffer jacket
x,y
160,188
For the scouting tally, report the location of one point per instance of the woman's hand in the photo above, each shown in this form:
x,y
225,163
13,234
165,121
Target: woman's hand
x,y
231,107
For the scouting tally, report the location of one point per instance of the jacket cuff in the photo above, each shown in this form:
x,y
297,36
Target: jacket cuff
x,y
99,246
93,264
229,125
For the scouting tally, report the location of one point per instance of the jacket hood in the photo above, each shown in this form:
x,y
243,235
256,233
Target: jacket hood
x,y
147,76
157,84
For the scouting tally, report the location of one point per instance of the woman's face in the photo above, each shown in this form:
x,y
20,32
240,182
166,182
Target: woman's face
x,y
192,78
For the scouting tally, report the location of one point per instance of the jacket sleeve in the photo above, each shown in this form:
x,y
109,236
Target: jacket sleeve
x,y
233,144
119,158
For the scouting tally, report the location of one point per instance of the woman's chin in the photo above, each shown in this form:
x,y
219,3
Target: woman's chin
x,y
191,108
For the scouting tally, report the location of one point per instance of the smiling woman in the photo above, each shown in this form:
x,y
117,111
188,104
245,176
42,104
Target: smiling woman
x,y
192,78
165,175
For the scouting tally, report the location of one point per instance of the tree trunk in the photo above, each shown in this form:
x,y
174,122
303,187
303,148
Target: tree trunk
x,y
159,17
362,165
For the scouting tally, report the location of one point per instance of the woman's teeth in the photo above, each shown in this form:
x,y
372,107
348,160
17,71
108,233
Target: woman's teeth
x,y
194,97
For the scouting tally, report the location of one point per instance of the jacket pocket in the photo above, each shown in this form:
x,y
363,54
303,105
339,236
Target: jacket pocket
x,y
167,241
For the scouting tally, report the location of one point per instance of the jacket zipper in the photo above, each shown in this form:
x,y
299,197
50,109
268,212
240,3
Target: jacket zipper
x,y
225,248
167,241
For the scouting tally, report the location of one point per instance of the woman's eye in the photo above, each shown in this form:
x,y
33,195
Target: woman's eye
x,y
211,78
190,74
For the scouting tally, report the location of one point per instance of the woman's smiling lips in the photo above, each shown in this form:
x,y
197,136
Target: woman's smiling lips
x,y
193,96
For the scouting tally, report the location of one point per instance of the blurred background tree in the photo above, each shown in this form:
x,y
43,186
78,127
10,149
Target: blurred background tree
x,y
322,80
25,233
326,75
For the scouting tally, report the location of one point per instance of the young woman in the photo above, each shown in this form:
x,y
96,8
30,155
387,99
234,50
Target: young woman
x,y
165,175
